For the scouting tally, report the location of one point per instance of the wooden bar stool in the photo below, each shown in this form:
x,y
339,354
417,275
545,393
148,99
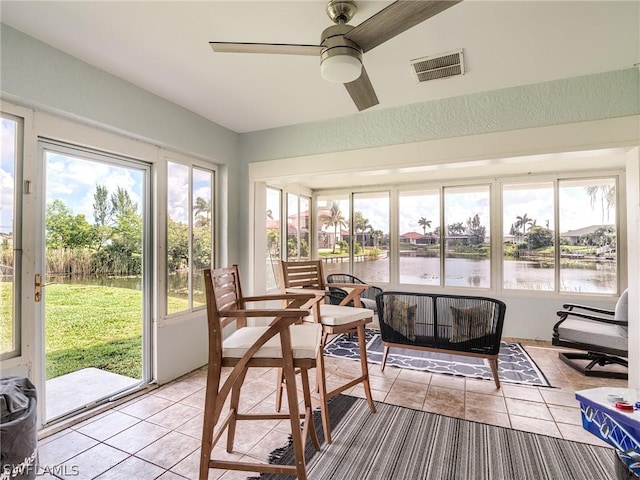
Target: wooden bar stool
x,y
308,277
286,343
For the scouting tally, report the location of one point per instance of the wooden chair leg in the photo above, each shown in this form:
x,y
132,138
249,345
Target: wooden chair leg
x,y
207,430
321,383
234,405
280,383
385,352
493,362
365,367
294,412
309,425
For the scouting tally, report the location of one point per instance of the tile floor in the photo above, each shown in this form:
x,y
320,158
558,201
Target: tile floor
x,y
158,435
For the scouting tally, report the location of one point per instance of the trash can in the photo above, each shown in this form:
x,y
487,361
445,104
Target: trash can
x,y
18,429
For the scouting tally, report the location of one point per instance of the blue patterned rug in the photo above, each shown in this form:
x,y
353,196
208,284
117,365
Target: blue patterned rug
x,y
514,363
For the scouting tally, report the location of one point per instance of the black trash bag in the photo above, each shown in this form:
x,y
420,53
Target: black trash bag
x,y
18,429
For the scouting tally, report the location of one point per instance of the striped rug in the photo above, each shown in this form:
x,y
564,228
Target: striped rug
x,y
403,444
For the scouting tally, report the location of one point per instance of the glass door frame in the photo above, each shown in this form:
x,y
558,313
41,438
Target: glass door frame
x,y
148,278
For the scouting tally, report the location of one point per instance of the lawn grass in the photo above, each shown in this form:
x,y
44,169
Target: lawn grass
x,y
87,326
93,326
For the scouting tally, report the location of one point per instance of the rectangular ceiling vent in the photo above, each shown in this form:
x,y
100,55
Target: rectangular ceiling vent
x,y
438,66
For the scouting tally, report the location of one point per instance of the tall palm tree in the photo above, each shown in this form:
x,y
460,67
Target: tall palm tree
x,y
456,228
361,224
335,219
424,223
522,221
607,194
202,212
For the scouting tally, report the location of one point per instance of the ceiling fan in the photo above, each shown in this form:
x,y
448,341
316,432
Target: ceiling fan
x,y
341,45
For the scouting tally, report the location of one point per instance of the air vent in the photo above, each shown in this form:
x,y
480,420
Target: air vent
x,y
438,66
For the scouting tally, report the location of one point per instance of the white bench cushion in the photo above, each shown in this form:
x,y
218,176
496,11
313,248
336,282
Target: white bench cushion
x,y
339,315
305,340
593,333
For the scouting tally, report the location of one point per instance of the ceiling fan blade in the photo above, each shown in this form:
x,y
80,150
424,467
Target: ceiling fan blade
x,y
362,92
277,48
395,19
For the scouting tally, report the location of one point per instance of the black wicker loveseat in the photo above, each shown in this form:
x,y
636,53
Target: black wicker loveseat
x,y
455,324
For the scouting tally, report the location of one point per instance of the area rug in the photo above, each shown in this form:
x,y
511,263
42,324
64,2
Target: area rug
x,y
514,363
399,443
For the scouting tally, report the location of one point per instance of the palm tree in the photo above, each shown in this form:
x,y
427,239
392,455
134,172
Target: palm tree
x,y
522,221
424,223
456,228
334,219
607,194
360,224
202,212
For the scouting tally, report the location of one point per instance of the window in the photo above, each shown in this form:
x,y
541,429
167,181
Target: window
x,y
467,237
190,234
333,233
419,237
274,209
10,240
583,242
528,230
370,230
298,227
588,235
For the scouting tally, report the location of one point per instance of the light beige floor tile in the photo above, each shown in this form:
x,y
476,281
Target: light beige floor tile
x,y
93,462
132,468
63,448
481,401
147,406
522,392
174,416
109,425
169,450
534,425
487,416
137,437
448,381
526,408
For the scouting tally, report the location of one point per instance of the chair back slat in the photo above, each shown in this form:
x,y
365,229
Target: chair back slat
x,y
302,274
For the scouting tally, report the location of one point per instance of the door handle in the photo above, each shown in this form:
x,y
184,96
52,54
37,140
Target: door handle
x,y
37,296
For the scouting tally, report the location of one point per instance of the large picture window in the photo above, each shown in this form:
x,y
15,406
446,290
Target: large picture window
x,y
190,235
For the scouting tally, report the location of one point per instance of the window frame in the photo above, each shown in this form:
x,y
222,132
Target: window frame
x,y
16,307
191,164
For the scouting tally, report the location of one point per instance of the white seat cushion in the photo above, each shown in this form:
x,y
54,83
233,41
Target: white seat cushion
x,y
340,315
368,303
305,340
593,333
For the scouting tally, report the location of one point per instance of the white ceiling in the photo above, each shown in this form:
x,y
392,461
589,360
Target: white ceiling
x,y
163,47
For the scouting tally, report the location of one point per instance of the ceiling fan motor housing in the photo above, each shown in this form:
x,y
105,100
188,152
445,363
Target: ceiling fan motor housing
x,y
335,44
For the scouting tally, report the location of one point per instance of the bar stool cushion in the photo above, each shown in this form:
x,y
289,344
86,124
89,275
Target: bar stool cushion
x,y
336,315
305,340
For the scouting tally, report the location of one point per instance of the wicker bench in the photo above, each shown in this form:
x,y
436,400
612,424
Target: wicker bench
x,y
454,324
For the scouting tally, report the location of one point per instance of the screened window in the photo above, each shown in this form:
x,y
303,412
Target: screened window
x,y
588,235
528,236
10,241
466,234
371,236
333,233
273,213
419,237
190,234
298,217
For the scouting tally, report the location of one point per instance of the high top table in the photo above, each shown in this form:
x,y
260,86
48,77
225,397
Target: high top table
x,y
619,428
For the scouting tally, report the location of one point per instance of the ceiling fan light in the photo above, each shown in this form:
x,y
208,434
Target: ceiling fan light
x,y
343,68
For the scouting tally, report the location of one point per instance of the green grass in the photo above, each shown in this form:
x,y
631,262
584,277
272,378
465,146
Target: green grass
x,y
6,319
93,326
